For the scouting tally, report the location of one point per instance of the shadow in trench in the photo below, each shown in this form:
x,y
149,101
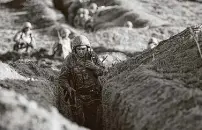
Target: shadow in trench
x,y
87,114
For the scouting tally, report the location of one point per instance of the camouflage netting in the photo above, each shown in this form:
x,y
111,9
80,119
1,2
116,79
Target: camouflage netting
x,y
158,89
18,113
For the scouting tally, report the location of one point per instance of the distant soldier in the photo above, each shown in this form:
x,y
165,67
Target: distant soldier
x,y
80,11
82,88
72,10
24,39
92,9
84,19
89,25
63,46
128,24
77,21
153,42
74,7
81,18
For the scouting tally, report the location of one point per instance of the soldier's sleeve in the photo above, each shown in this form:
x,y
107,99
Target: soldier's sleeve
x,y
55,46
64,76
17,37
100,66
33,42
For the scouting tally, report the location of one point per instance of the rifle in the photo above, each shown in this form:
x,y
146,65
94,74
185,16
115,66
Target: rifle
x,y
104,58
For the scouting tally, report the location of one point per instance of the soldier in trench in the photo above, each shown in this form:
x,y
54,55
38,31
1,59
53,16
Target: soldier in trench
x,y
153,42
81,85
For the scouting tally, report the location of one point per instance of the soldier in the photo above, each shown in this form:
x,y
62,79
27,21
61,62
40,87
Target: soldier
x,y
24,39
84,20
72,10
63,46
78,17
79,80
89,25
128,24
153,42
92,9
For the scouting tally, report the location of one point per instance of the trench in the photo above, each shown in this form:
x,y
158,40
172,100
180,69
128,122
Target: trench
x,y
62,105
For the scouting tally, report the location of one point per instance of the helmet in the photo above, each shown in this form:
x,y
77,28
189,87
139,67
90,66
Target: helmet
x,y
27,25
80,40
80,11
86,12
64,32
93,6
67,31
129,24
153,40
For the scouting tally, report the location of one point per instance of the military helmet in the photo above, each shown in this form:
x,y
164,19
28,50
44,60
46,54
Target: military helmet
x,y
93,6
80,40
64,32
80,11
129,24
153,40
86,12
27,25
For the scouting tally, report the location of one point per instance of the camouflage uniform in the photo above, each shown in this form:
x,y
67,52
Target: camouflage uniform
x,y
23,40
82,88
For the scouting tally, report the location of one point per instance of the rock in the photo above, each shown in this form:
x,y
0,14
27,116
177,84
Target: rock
x,y
157,89
19,113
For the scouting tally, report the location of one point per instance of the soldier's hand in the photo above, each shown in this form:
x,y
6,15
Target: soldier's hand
x,y
71,92
90,65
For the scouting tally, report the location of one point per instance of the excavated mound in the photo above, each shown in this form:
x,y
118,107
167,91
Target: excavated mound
x,y
35,82
19,113
111,16
127,40
117,16
41,13
158,89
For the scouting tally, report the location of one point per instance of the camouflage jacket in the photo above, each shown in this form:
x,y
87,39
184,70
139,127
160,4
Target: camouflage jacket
x,y
83,80
20,38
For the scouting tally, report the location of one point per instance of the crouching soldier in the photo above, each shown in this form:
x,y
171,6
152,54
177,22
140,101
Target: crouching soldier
x,y
153,42
79,80
24,39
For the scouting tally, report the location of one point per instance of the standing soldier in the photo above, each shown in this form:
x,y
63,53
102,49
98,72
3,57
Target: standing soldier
x,y
63,46
82,88
24,39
